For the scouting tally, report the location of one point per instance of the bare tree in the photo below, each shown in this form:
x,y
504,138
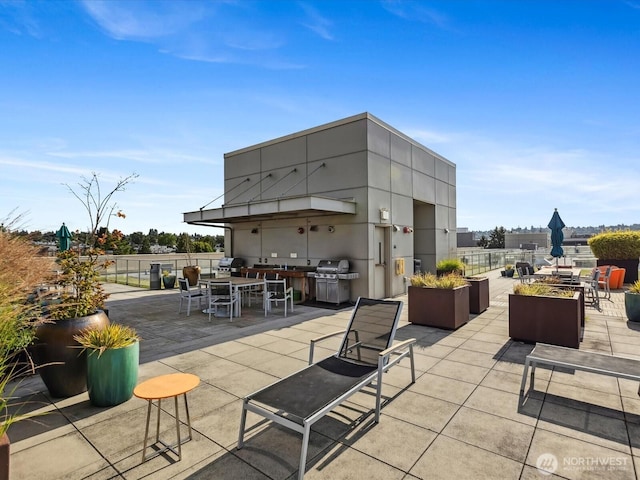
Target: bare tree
x,y
99,208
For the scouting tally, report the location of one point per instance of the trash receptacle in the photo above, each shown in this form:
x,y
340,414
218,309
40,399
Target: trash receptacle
x,y
154,276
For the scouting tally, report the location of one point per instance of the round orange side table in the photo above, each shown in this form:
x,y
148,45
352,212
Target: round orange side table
x,y
166,386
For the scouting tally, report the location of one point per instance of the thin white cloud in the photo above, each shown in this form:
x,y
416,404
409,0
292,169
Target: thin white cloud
x,y
316,22
144,20
18,18
153,156
417,12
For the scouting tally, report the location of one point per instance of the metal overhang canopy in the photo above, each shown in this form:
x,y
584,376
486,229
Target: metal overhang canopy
x,y
291,207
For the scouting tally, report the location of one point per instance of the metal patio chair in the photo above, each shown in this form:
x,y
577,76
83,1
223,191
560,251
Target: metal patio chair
x,y
187,293
276,291
366,352
222,294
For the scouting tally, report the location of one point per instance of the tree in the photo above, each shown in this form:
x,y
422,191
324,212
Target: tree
x,y
496,238
153,236
483,242
183,243
201,247
146,246
136,238
99,208
167,239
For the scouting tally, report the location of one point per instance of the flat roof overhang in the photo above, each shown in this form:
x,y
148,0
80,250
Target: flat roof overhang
x,y
291,207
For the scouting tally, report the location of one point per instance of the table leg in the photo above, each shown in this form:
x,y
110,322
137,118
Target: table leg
x,y
178,428
158,421
146,431
186,407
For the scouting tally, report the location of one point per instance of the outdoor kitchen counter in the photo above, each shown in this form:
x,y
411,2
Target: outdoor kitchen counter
x,y
289,274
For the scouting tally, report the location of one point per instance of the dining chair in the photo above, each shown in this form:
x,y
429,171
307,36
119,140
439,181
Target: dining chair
x,y
604,282
221,294
277,291
591,288
187,293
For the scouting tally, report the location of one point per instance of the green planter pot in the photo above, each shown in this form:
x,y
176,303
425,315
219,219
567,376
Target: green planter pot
x,y
632,306
112,376
169,281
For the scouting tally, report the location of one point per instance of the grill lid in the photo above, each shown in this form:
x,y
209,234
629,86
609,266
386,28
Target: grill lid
x,y
333,266
230,262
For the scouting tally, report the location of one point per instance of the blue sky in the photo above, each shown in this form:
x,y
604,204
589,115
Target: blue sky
x,y
537,102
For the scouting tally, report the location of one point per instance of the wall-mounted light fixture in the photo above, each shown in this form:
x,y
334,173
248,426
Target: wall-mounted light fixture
x,y
446,230
332,229
384,214
300,230
396,228
254,231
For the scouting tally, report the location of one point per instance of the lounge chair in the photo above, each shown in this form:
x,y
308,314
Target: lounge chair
x,y
303,398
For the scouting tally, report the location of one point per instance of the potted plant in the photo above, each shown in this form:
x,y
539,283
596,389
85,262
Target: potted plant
x,y
619,248
168,279
450,265
81,303
478,294
439,301
113,353
540,312
508,271
22,275
632,302
191,272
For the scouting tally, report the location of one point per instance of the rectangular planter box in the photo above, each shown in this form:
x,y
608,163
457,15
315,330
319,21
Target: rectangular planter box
x,y
478,294
553,320
439,307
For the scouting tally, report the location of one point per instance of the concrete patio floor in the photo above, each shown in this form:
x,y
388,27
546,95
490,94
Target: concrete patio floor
x,y
461,419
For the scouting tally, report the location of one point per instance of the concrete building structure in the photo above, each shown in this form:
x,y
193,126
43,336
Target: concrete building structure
x,y
355,188
523,240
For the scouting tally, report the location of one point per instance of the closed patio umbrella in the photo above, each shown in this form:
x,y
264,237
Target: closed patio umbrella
x,y
556,225
64,238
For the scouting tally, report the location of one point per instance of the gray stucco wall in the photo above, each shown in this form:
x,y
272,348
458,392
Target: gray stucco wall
x,y
364,160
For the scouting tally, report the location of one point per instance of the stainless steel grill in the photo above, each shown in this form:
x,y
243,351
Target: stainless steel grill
x,y
332,281
230,266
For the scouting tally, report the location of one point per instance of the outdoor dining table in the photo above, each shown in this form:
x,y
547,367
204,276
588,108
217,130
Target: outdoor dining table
x,y
552,271
238,284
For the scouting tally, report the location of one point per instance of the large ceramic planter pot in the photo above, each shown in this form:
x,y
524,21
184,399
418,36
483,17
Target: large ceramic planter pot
x,y
478,294
546,319
169,281
112,376
631,267
439,307
632,306
192,273
62,363
5,445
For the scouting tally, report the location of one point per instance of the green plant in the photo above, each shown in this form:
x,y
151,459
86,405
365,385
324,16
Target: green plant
x,y
429,280
166,273
22,275
620,245
114,335
541,289
81,274
448,265
635,287
508,266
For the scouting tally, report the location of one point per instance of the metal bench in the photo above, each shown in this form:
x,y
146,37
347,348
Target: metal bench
x,y
602,364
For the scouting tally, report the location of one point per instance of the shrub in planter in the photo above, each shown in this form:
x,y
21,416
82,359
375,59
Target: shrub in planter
x,y
439,301
112,363
632,302
541,312
621,248
450,265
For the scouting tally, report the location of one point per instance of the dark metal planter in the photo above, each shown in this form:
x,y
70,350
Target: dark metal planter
x,y
478,294
553,320
631,267
439,307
